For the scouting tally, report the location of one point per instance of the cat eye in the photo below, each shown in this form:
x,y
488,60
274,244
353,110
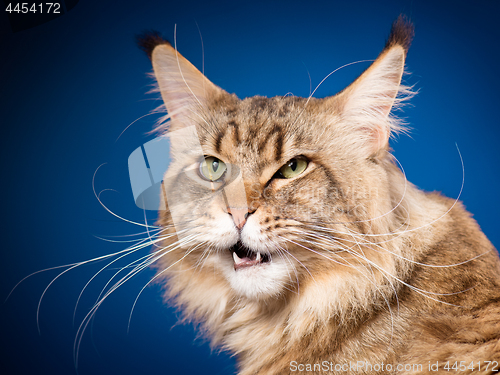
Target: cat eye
x,y
292,168
212,168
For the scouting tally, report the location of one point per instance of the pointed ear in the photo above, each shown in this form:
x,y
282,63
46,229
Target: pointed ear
x,y
184,89
368,101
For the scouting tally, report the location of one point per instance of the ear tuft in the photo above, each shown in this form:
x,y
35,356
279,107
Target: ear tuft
x,y
401,34
148,40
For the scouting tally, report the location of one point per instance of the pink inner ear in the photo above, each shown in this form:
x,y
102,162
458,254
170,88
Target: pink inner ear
x,y
381,133
380,136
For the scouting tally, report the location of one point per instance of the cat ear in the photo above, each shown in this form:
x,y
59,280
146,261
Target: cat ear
x,y
184,89
368,101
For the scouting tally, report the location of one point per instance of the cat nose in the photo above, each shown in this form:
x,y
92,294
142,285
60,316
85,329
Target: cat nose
x,y
239,215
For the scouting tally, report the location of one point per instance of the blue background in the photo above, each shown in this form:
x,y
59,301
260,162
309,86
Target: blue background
x,y
69,87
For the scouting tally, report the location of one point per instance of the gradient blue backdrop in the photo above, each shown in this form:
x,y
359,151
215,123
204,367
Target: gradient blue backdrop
x,y
69,87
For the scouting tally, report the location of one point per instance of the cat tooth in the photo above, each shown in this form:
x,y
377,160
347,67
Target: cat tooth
x,y
258,257
237,259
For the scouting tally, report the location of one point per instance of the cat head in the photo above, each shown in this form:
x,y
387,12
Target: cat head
x,y
267,196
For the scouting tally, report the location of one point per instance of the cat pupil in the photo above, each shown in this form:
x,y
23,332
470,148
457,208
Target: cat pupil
x,y
293,165
215,165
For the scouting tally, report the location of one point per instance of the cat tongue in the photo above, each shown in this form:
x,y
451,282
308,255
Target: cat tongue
x,y
245,261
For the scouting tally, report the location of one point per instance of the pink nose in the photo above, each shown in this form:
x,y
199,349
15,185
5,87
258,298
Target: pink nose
x,y
239,216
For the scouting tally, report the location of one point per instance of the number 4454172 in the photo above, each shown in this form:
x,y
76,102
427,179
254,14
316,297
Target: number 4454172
x,y
33,8
462,366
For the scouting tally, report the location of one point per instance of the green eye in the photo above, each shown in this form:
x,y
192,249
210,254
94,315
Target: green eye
x,y
293,167
212,168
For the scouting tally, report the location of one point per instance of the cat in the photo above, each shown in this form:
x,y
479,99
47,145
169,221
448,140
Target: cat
x,y
295,241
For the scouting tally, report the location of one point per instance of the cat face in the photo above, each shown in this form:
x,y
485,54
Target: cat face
x,y
275,185
257,186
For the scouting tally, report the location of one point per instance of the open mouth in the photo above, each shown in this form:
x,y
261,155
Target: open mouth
x,y
245,257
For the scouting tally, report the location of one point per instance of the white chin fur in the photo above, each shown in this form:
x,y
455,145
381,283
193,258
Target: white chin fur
x,y
257,282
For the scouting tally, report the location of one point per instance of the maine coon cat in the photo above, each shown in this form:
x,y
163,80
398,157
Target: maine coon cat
x,y
295,240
